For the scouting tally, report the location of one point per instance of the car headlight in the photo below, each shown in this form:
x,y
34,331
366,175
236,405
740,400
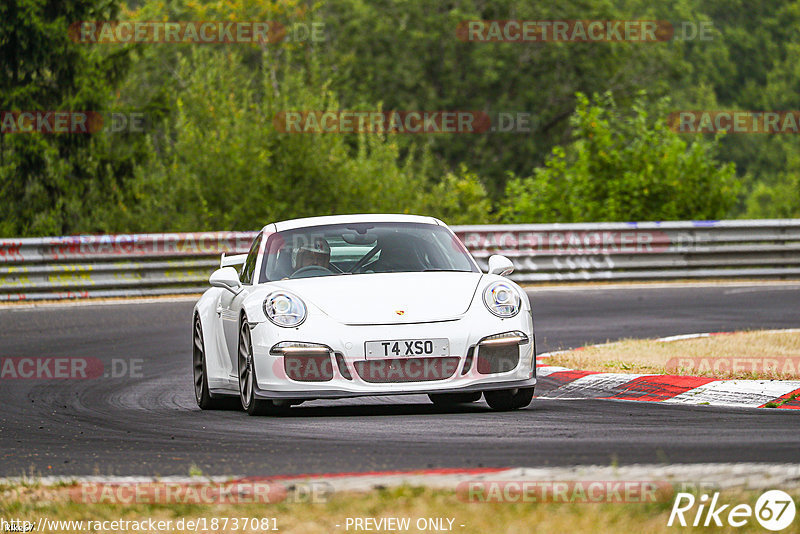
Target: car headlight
x,y
284,309
501,299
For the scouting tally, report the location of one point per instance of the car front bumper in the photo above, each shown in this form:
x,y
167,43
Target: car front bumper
x,y
350,373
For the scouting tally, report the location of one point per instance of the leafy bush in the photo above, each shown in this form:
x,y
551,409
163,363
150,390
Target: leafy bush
x,y
623,166
459,199
223,165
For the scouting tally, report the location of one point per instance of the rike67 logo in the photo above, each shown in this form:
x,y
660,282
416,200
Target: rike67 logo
x,y
774,510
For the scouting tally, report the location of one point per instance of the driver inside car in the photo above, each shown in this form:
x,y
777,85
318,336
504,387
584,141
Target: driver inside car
x,y
317,253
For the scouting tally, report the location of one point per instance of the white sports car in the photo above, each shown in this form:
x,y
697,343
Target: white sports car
x,y
357,305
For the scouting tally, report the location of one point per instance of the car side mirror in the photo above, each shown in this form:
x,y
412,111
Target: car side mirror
x,y
226,278
500,265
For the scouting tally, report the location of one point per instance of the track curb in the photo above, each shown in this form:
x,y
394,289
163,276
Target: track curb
x,y
564,383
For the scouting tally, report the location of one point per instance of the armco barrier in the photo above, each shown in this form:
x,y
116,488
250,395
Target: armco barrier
x,y
113,265
154,264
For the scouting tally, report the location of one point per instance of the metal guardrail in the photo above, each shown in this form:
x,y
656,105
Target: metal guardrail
x,y
155,264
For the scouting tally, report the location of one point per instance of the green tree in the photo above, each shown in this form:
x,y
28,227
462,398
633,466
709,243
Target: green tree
x,y
623,166
406,55
50,183
223,164
459,198
212,158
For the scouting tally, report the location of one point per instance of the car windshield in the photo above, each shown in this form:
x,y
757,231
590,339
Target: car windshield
x,y
363,248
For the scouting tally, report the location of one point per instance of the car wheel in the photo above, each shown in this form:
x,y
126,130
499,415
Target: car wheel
x,y
201,393
504,400
449,399
247,378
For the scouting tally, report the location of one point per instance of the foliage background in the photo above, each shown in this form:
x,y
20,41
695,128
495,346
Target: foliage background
x,y
211,159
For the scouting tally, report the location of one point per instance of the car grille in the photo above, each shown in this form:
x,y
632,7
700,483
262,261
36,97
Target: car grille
x,y
406,369
497,359
308,368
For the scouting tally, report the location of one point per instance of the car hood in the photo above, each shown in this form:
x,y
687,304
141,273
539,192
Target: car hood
x,y
388,298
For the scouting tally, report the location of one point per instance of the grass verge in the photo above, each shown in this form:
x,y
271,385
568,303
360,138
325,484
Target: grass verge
x,y
763,355
32,502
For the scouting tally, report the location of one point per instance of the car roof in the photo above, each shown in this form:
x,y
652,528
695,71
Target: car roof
x,y
360,218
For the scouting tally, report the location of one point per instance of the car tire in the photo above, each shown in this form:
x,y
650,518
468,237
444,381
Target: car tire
x,y
503,400
450,399
247,378
200,373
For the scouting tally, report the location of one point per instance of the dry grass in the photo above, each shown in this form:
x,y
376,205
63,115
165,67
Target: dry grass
x,y
31,503
750,355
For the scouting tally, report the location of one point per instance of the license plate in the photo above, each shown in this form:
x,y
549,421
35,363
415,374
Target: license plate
x,y
407,348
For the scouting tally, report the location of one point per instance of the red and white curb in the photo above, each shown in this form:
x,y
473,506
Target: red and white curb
x,y
669,389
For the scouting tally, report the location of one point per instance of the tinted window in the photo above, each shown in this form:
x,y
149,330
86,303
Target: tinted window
x,y
363,248
246,276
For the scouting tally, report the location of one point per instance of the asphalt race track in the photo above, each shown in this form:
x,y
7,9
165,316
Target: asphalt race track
x,y
150,425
